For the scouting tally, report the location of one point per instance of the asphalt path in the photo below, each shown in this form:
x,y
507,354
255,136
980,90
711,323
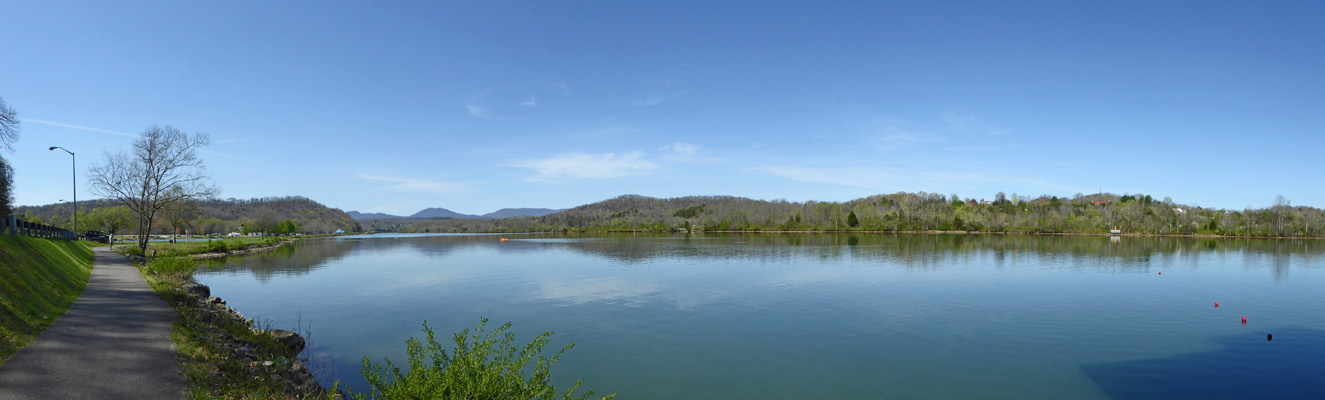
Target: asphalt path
x,y
113,343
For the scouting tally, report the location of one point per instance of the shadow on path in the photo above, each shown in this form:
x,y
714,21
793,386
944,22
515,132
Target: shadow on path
x,y
1246,366
113,343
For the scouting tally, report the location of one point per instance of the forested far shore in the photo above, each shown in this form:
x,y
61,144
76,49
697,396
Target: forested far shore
x,y
899,212
290,214
1085,214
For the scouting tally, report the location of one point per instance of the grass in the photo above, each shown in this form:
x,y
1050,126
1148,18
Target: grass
x,y
39,280
211,368
182,248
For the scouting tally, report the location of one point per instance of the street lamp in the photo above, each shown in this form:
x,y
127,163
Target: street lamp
x,y
74,172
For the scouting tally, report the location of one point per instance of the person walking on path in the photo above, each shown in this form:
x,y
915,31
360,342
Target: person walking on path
x,y
113,343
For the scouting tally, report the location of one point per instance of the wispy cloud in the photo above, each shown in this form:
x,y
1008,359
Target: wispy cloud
x,y
515,100
907,137
895,137
477,111
871,177
685,149
591,290
657,98
587,166
78,127
965,122
688,153
217,153
416,185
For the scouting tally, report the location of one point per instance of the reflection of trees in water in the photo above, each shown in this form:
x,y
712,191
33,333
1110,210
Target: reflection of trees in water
x,y
922,251
298,258
934,251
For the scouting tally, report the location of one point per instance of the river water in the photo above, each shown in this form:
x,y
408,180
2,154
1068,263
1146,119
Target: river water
x,y
773,316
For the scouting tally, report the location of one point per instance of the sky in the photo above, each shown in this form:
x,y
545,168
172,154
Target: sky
x,y
475,106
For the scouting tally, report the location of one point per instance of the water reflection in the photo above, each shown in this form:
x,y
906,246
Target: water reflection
x,y
298,258
804,315
935,251
921,252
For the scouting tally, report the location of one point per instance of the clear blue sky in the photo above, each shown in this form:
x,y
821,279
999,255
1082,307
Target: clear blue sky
x,y
476,106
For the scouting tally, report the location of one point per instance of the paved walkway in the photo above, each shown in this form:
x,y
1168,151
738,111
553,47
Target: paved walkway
x,y
113,343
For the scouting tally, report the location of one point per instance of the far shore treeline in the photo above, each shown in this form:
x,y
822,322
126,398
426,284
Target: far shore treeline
x,y
290,214
1090,214
899,212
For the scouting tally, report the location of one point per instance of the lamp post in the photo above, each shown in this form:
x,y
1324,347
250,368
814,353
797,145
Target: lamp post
x,y
74,173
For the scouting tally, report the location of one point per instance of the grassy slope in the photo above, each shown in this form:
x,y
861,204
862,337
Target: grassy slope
x,y
39,280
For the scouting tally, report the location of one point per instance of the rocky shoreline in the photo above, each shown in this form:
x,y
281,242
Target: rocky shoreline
x,y
250,353
239,252
277,360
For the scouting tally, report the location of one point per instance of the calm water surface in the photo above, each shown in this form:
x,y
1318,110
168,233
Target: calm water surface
x,y
825,316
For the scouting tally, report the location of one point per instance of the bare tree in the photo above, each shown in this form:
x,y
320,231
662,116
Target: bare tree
x,y
162,169
8,135
8,126
1280,203
179,215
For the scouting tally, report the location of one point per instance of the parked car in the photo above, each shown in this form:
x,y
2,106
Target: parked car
x,y
96,236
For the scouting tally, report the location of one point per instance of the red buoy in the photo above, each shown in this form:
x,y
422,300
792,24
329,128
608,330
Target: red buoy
x,y
1269,337
1244,320
1216,304
1161,273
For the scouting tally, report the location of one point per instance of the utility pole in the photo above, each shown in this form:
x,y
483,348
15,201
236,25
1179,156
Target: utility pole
x,y
74,173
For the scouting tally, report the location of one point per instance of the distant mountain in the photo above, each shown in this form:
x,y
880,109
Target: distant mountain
x,y
360,216
519,212
439,213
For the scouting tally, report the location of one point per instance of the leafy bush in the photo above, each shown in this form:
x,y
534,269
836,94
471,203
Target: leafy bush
x,y
216,246
171,266
483,366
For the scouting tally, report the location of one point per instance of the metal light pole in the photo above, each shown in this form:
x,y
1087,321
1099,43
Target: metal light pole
x,y
74,172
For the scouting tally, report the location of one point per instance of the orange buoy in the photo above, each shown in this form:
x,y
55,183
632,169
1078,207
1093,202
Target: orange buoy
x,y
1244,320
505,239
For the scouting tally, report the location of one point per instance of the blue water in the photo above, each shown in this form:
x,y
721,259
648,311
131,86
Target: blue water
x,y
824,316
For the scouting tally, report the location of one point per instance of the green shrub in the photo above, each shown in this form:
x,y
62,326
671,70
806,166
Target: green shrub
x,y
485,365
171,266
216,246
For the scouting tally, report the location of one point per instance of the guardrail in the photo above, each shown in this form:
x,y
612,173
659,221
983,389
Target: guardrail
x,y
15,226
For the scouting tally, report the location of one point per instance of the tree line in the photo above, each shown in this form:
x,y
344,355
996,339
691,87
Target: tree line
x,y
274,215
1098,213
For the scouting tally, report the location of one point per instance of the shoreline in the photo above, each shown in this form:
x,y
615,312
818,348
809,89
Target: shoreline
x,y
221,352
249,250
